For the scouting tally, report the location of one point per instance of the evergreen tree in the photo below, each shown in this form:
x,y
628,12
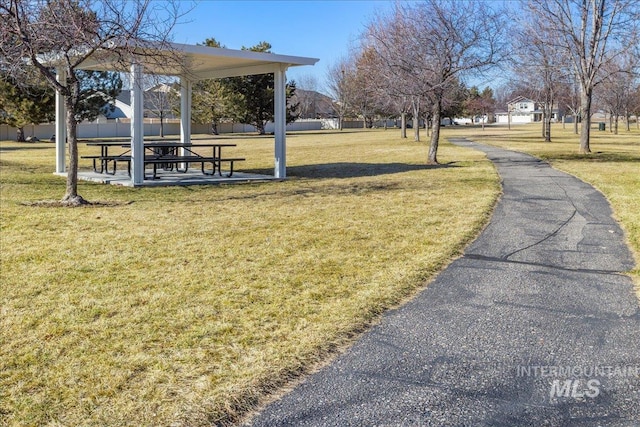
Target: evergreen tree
x,y
480,104
98,91
209,99
23,105
250,98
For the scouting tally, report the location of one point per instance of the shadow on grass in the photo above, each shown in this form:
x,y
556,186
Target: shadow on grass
x,y
347,188
26,147
600,156
356,170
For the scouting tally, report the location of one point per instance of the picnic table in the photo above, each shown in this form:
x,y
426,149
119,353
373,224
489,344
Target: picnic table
x,y
167,155
104,158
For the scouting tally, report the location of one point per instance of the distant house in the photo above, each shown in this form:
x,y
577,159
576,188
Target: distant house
x,y
313,105
524,110
122,106
156,103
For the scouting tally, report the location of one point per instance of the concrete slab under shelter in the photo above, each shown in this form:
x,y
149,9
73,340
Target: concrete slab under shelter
x,y
171,178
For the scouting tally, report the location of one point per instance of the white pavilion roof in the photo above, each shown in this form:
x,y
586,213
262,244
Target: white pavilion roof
x,y
202,62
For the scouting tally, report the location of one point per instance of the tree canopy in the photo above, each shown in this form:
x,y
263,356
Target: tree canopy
x,y
33,103
590,34
245,99
425,48
21,105
35,33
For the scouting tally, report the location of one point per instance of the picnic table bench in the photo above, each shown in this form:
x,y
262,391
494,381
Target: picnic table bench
x,y
181,163
104,161
164,155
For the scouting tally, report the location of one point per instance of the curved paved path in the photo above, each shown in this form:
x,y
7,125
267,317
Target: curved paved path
x,y
533,326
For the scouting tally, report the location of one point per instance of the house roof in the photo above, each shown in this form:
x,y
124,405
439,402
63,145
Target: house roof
x,y
200,62
520,99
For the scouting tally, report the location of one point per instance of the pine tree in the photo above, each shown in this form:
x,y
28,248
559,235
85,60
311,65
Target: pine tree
x,y
250,99
23,105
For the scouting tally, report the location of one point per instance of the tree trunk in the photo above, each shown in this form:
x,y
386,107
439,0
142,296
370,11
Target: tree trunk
x,y
575,124
71,196
20,134
416,123
585,134
547,122
435,134
616,120
403,125
610,122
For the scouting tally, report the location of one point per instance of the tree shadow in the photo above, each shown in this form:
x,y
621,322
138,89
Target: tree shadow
x,y
595,157
26,147
356,170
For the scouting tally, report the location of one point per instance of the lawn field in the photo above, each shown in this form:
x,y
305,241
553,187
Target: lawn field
x,y
613,167
187,305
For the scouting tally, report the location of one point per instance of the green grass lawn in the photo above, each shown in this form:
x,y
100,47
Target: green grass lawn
x,y
613,167
186,305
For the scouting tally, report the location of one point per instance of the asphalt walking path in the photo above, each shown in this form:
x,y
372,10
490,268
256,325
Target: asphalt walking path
x,y
533,326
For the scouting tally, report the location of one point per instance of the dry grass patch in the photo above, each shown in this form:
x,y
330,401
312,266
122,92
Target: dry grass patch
x,y
186,306
613,167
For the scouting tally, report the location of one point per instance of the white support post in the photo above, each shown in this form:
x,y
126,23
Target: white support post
x,y
61,128
137,126
185,115
280,123
185,110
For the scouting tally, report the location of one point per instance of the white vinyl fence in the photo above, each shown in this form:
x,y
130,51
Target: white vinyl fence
x,y
122,129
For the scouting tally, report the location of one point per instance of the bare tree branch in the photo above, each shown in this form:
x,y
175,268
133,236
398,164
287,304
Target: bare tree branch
x,y
64,34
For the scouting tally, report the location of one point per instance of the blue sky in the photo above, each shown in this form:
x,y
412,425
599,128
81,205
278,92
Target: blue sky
x,y
317,29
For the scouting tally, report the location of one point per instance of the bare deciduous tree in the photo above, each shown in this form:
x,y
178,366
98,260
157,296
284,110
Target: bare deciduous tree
x,y
429,45
401,68
63,34
307,94
590,33
363,87
616,92
570,98
161,99
339,76
635,104
542,64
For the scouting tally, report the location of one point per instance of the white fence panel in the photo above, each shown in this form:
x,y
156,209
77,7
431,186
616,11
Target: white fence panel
x,y
122,129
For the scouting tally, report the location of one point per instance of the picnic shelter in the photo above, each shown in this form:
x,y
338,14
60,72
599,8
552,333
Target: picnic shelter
x,y
190,63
